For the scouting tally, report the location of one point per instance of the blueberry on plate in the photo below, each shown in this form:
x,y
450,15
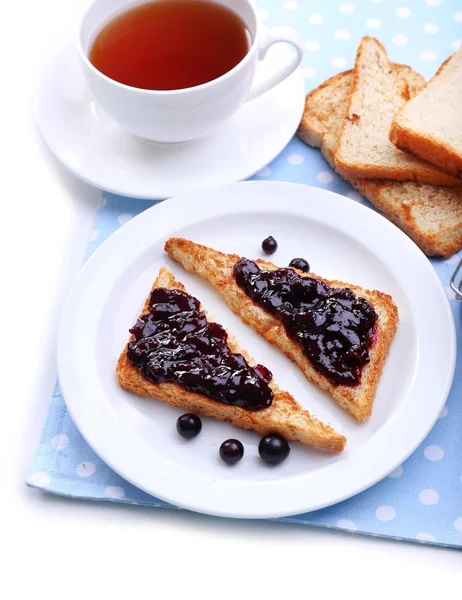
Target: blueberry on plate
x,y
188,426
301,264
269,245
273,449
231,451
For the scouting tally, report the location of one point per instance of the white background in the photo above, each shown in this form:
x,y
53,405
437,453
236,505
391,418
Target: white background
x,y
57,548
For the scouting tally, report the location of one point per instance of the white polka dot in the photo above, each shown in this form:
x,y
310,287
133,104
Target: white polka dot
x,y
93,235
458,17
429,497
291,4
339,62
456,44
346,8
450,292
60,441
385,513
85,469
355,196
443,413
103,202
400,40
433,453
265,172
316,19
308,73
346,524
458,524
397,472
423,536
312,46
263,14
461,479
40,478
403,13
428,55
295,159
124,218
433,2
324,177
115,492
342,34
372,23
431,28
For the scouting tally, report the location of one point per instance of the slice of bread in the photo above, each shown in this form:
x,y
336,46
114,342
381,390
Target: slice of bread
x,y
364,149
430,125
431,216
284,416
217,268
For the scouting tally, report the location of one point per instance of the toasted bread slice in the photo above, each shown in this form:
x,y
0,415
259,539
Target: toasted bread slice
x,y
431,216
217,268
430,125
364,149
284,416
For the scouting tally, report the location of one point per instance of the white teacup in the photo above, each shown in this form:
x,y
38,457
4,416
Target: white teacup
x,y
185,114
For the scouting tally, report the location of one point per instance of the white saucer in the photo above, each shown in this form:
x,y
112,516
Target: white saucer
x,y
94,148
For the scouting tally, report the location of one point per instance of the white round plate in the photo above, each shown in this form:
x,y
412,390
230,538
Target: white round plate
x,y
343,240
97,150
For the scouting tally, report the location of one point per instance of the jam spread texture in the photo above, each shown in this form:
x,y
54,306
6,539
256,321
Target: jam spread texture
x,y
335,328
175,342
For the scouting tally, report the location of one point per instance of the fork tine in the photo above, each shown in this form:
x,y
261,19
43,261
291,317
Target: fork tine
x,y
457,288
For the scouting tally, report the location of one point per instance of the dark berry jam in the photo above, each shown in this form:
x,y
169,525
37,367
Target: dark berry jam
x,y
175,342
335,328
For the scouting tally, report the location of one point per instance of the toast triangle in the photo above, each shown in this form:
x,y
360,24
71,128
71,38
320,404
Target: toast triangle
x,y
284,416
217,268
429,125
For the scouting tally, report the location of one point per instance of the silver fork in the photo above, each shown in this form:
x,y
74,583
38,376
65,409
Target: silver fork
x,y
457,287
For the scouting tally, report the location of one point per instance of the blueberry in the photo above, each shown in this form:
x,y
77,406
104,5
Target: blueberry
x,y
269,245
273,449
301,264
188,426
231,451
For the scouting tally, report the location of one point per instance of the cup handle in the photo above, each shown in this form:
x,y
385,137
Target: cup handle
x,y
274,36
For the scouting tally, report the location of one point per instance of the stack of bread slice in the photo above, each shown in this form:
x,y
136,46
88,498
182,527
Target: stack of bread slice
x,y
358,116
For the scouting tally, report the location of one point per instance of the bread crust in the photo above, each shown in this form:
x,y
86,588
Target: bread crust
x,y
284,416
425,145
217,268
431,216
384,160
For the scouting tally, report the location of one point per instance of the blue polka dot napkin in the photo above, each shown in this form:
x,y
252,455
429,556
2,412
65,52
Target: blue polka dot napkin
x,y
422,499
